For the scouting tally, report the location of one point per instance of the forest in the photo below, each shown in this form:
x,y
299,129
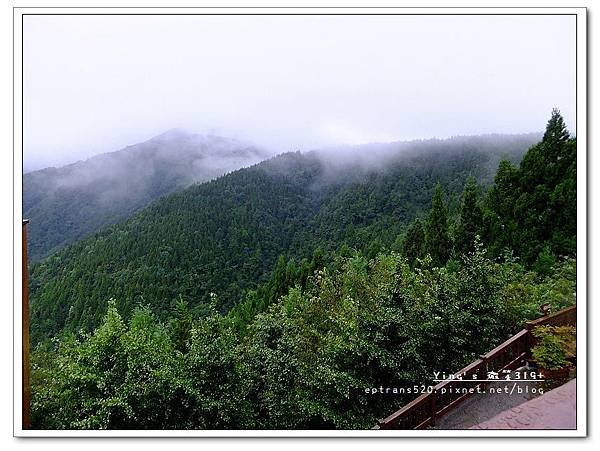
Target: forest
x,y
227,235
273,296
72,202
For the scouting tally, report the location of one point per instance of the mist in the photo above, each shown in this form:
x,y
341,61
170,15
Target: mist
x,y
95,84
69,203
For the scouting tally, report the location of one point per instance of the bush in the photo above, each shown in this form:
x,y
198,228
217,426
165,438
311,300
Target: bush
x,y
302,360
555,345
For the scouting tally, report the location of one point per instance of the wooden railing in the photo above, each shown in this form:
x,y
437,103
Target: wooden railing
x,y
26,398
564,317
423,411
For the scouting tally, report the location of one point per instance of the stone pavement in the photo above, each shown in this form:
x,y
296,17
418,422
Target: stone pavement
x,y
555,409
481,407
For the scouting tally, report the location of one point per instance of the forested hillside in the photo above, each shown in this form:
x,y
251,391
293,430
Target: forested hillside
x,y
225,237
68,203
306,347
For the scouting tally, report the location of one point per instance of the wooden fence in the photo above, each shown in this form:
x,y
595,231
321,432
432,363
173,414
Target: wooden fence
x,y
510,355
26,398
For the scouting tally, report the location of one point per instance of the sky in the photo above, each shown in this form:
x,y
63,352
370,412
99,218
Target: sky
x,y
95,84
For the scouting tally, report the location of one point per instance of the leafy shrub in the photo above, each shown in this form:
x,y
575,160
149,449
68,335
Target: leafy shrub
x,y
555,345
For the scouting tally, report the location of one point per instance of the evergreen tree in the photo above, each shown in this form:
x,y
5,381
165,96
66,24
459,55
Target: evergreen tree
x,y
437,239
499,222
556,131
545,207
414,242
279,280
181,325
374,248
471,218
532,210
318,260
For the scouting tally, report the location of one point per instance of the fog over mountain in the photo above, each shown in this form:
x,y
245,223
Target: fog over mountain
x,y
247,219
351,163
71,202
68,203
225,235
289,82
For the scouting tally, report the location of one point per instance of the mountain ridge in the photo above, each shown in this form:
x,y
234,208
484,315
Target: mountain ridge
x,y
67,203
224,236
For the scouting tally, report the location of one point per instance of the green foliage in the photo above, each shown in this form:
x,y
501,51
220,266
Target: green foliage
x,y
556,131
554,346
180,327
214,386
413,246
545,262
534,208
470,223
289,303
132,377
500,225
528,291
69,203
226,236
437,238
113,378
304,361
312,355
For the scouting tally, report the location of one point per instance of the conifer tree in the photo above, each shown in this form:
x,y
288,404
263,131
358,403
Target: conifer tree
x,y
414,242
278,281
437,239
471,218
499,218
545,209
556,131
318,260
181,325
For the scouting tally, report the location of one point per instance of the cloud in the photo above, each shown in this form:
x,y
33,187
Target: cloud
x,y
95,84
342,134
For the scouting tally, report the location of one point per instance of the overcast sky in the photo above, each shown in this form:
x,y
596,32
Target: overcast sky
x,y
95,84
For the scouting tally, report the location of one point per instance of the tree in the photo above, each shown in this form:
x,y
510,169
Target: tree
x,y
532,209
181,325
437,239
556,131
278,285
318,260
545,207
471,219
499,217
414,242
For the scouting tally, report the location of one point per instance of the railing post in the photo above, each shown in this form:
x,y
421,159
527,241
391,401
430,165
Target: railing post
x,y
433,406
26,408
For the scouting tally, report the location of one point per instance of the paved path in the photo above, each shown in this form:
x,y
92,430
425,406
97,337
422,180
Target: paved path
x,y
481,407
553,410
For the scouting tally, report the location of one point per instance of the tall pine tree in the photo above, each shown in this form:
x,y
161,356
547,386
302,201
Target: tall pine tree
x,y
556,130
181,325
437,238
533,209
499,218
545,210
470,221
414,242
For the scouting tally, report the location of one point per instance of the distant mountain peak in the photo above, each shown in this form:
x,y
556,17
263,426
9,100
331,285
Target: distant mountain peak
x,y
173,133
73,201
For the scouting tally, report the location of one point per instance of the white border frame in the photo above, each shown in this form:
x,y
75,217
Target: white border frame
x,y
581,132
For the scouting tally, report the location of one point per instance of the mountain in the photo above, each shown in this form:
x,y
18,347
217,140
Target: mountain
x,y
299,347
212,242
69,203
